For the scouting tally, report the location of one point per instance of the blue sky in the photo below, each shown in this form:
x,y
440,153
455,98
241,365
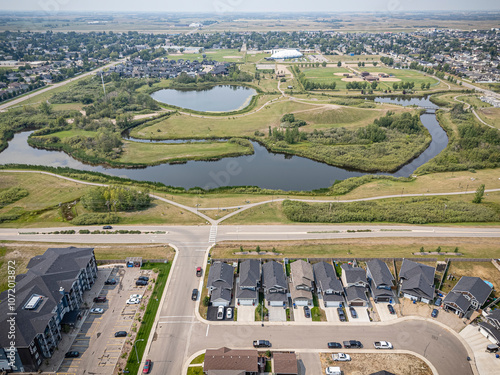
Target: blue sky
x,y
212,6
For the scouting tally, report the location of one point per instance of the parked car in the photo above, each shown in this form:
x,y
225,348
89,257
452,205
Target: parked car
x,y
229,313
341,357
144,278
220,312
438,302
352,344
334,345
435,313
100,299
96,310
147,367
110,282
194,295
307,312
73,354
333,371
382,345
138,296
492,348
341,313
107,227
199,271
121,334
133,301
261,344
391,309
353,312
141,283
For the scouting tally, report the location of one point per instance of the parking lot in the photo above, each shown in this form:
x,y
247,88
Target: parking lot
x,y
96,342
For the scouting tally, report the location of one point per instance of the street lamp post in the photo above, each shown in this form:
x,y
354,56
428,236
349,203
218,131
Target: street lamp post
x,y
135,347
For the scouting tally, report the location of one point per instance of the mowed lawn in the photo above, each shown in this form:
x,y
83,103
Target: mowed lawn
x,y
182,126
405,75
326,75
231,55
147,153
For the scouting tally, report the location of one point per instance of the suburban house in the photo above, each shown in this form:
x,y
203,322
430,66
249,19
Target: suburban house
x,y
220,283
231,362
328,284
491,328
355,283
50,290
248,284
468,295
302,283
380,280
353,276
285,364
417,281
274,283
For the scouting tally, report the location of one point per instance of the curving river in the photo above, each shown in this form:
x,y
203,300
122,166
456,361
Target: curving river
x,y
264,169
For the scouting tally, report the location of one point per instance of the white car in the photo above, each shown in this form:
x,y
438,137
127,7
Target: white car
x,y
96,310
220,312
341,357
382,345
333,371
133,301
137,296
229,313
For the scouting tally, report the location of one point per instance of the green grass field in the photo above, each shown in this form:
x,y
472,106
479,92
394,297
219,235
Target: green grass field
x,y
231,55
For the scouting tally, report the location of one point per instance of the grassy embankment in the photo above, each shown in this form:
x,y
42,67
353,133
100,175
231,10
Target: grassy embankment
x,y
41,206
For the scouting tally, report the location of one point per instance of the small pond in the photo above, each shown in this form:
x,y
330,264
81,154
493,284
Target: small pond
x,y
221,98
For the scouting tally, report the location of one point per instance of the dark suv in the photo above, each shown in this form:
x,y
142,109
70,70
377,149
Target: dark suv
x,y
143,278
121,334
110,282
141,283
194,295
261,344
100,299
352,344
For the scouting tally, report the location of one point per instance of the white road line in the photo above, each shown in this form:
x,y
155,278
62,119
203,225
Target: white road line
x,y
208,327
176,316
266,233
180,322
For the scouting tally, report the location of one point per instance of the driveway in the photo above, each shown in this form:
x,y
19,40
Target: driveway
x,y
486,363
246,314
363,316
276,314
299,316
309,364
383,311
331,314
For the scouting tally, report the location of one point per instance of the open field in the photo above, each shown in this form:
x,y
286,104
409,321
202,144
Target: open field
x,y
486,271
361,364
22,253
46,192
231,55
390,247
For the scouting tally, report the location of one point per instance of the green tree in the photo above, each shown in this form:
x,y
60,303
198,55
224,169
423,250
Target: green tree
x,y
339,64
478,197
45,108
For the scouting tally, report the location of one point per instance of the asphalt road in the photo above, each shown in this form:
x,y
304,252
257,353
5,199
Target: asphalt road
x,y
178,333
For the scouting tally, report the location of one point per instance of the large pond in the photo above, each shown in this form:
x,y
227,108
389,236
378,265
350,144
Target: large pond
x,y
222,98
263,168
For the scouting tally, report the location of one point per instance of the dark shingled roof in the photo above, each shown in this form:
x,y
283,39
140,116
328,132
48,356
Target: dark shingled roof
x,y
418,279
46,274
491,330
220,276
285,363
355,292
354,274
459,300
273,274
250,272
475,286
380,273
326,278
229,359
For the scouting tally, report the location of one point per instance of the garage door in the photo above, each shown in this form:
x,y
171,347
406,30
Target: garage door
x,y
246,302
301,302
276,303
332,304
220,303
357,304
383,299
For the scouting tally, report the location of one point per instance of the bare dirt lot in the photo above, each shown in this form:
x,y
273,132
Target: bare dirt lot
x,y
362,364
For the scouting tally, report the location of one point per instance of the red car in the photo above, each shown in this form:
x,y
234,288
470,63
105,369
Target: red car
x,y
147,367
198,271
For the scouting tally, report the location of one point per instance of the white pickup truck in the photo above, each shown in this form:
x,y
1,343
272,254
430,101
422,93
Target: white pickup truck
x,y
341,357
382,345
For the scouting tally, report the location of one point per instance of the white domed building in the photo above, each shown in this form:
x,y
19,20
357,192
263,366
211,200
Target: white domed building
x,y
285,54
